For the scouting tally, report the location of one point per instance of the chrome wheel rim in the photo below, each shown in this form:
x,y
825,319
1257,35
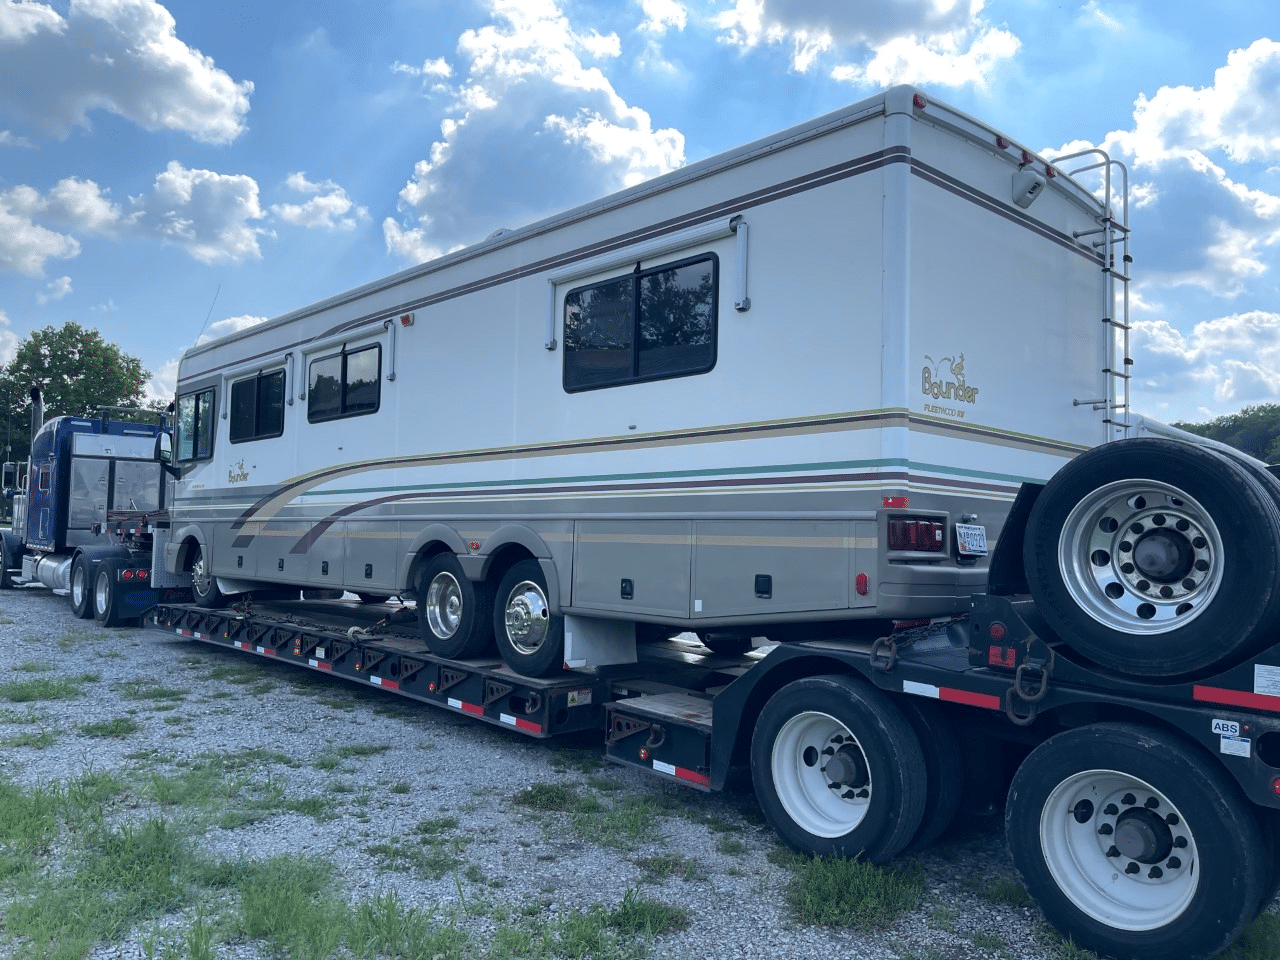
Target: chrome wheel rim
x,y
444,605
1141,556
527,616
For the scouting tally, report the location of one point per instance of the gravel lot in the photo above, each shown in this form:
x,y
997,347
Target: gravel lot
x,y
364,769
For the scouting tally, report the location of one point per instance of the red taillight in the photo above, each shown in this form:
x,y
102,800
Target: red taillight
x,y
126,575
916,533
861,584
996,630
142,574
1275,786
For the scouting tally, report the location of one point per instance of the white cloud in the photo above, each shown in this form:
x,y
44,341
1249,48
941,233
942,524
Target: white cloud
x,y
1235,359
936,42
1238,115
228,326
122,56
163,384
8,340
329,207
531,115
10,139
430,68
662,15
24,244
208,214
54,290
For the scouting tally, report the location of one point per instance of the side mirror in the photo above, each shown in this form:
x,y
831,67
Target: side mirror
x,y
164,448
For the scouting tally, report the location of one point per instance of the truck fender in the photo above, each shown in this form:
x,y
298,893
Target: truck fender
x,y
435,533
479,566
175,554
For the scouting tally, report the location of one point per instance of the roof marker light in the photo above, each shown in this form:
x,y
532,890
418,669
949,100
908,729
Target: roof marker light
x,y
1050,172
1027,157
1002,143
918,101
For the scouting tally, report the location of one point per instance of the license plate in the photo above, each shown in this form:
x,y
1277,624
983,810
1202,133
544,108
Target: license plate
x,y
971,539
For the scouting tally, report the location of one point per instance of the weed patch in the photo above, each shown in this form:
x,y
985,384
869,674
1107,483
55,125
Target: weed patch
x,y
840,892
118,729
41,688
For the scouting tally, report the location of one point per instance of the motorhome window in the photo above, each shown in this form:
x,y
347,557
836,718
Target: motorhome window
x,y
195,426
649,325
346,384
257,407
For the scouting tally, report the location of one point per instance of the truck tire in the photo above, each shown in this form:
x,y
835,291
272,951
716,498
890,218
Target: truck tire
x,y
1155,557
81,589
106,596
530,638
10,555
204,585
838,770
455,614
943,766
1135,843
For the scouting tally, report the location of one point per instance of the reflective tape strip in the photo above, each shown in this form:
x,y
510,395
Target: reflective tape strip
x,y
466,707
193,635
682,773
320,664
266,651
1236,698
952,695
520,723
381,682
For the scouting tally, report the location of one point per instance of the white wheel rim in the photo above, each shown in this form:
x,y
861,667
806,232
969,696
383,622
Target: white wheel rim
x,y
1141,556
201,582
1119,850
444,605
821,775
77,586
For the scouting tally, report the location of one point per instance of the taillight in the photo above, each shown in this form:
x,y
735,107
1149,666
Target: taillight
x,y
916,533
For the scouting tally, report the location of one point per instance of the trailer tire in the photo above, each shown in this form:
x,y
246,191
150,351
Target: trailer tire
x,y
1136,844
204,585
530,637
1155,557
81,588
106,595
944,770
875,806
455,614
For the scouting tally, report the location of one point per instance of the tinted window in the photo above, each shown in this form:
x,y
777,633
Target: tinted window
x,y
648,325
346,384
257,407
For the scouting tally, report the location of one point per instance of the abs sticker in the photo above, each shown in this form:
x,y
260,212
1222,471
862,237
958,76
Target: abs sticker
x,y
1227,728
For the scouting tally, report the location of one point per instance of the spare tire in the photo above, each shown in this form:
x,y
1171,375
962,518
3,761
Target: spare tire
x,y
1155,557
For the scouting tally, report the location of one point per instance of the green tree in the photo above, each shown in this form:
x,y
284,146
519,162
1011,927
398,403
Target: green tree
x,y
77,372
1254,430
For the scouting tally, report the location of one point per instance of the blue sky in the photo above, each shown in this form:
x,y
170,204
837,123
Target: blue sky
x,y
174,170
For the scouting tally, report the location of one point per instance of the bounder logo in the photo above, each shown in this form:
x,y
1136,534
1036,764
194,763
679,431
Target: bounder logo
x,y
944,380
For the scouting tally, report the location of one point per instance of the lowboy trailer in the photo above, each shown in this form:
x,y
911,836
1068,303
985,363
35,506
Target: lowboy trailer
x,y
1142,816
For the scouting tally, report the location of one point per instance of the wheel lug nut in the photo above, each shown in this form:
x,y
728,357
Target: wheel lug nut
x,y
1132,868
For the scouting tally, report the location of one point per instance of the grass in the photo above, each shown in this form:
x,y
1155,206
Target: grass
x,y
619,823
841,892
661,866
36,739
547,796
146,690
1261,941
117,729
41,688
1002,890
35,666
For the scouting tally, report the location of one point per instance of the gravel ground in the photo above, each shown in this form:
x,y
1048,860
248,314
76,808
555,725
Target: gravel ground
x,y
436,764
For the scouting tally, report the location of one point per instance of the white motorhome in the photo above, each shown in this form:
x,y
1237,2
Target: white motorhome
x,y
776,392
